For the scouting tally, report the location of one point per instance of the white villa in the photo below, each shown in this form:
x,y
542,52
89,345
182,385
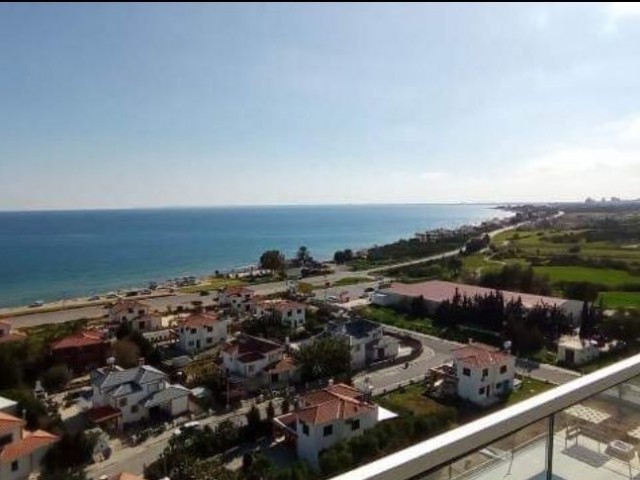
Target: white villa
x,y
326,417
290,314
367,342
249,357
238,298
200,331
484,373
126,396
128,310
21,451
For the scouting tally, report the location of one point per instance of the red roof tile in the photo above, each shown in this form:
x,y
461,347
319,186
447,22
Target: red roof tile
x,y
284,365
438,291
335,402
10,421
82,339
234,290
478,355
31,442
102,414
196,320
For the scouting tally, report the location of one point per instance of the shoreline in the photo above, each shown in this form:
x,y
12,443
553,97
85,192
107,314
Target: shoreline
x,y
81,300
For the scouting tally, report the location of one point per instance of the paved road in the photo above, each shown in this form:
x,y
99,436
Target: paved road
x,y
134,459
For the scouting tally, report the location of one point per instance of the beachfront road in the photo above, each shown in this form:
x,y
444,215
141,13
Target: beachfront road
x,y
162,302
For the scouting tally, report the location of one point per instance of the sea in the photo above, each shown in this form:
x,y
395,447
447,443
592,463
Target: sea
x,y
52,255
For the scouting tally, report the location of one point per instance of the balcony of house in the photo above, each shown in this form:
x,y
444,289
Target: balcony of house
x,y
588,429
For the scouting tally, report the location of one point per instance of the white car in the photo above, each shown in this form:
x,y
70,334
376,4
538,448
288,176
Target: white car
x,y
187,426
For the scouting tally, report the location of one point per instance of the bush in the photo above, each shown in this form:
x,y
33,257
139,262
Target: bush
x,y
56,378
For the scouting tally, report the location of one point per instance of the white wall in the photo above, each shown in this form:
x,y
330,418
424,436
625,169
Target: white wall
x,y
188,340
309,446
469,386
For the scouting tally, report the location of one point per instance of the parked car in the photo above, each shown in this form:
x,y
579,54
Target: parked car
x,y
195,425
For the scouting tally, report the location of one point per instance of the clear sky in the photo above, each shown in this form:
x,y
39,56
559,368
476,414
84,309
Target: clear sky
x,y
122,105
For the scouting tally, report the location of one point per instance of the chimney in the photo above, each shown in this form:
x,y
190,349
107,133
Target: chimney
x,y
111,363
470,340
141,362
330,382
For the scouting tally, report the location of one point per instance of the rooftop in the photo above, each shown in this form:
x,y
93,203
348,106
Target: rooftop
x,y
335,402
81,339
244,344
107,377
196,320
479,355
438,291
31,442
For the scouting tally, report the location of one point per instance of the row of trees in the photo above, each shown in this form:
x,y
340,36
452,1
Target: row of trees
x,y
275,260
343,256
516,277
527,329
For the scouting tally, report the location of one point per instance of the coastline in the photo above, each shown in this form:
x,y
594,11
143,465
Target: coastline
x,y
78,300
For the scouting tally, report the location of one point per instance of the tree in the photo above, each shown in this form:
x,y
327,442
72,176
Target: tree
x,y
126,353
56,378
66,458
271,410
418,307
339,257
324,358
272,260
303,255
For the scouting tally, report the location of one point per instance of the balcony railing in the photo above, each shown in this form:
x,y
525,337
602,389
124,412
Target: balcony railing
x,y
586,429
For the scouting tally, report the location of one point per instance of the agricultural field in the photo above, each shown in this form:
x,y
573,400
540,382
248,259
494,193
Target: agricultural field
x,y
602,276
620,299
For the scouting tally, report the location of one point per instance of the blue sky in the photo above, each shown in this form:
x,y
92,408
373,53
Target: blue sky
x,y
108,106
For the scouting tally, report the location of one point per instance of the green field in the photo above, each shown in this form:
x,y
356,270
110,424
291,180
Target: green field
x,y
604,276
620,299
411,400
350,281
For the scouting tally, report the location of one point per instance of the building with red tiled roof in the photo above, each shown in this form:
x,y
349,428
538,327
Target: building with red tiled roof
x,y
249,357
21,451
128,310
200,331
82,351
238,298
326,417
435,292
484,374
289,313
7,334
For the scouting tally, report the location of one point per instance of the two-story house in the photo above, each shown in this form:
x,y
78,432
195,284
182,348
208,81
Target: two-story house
x,y
82,351
128,310
484,374
248,357
21,451
366,341
290,314
149,322
325,417
126,396
201,330
238,298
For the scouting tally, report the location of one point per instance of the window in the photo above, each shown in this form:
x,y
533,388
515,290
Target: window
x,y
5,439
289,313
140,312
209,340
355,425
305,428
503,369
14,465
209,329
190,343
134,408
299,311
123,402
481,391
328,430
466,372
498,385
193,331
141,325
485,372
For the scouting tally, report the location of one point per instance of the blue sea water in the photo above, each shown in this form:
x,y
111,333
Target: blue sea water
x,y
62,254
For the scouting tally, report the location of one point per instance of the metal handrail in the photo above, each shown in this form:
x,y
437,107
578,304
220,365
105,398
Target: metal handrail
x,y
447,447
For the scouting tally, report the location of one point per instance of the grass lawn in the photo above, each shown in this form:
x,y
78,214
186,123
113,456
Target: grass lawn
x,y
351,281
213,284
604,276
620,299
529,388
411,400
387,316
